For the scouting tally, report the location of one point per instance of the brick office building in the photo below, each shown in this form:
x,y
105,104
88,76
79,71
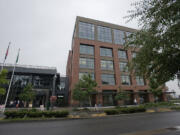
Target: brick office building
x,y
98,48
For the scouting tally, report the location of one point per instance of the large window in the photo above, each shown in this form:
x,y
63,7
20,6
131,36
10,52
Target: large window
x,y
104,34
86,49
108,79
86,30
122,54
41,82
123,66
140,80
119,37
107,65
21,80
86,63
106,52
125,80
85,73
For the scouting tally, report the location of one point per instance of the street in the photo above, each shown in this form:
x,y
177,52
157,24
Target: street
x,y
133,124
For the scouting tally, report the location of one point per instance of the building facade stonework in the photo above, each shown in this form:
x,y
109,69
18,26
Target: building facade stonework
x,y
98,48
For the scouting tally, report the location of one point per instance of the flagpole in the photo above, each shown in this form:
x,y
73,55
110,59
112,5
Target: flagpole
x,y
10,82
5,57
9,87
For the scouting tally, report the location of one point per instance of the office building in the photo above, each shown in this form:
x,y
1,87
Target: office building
x,y
98,49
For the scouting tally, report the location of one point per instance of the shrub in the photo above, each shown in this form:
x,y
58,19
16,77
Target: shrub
x,y
35,114
175,108
55,114
132,109
49,114
61,113
14,114
111,111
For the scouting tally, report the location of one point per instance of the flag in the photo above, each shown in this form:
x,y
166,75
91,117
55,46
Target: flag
x,y
7,51
17,56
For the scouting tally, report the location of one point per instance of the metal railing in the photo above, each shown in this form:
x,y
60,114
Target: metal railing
x,y
28,66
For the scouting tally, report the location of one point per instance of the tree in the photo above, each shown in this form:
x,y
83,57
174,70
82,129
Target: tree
x,y
84,88
155,88
3,81
28,94
158,38
122,95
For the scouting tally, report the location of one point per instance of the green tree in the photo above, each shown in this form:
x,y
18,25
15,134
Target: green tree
x,y
122,95
28,94
155,88
3,81
158,38
84,88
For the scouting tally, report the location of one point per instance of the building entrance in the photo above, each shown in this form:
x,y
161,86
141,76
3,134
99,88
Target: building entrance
x,y
109,98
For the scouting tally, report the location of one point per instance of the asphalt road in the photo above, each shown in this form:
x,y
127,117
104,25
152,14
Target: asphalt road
x,y
133,124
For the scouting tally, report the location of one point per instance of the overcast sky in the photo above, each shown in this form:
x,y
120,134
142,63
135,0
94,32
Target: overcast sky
x,y
43,29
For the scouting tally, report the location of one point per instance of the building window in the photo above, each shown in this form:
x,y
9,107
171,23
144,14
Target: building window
x,y
106,52
122,54
86,30
134,54
85,73
140,80
125,80
108,79
107,65
123,66
62,85
119,37
86,49
86,63
104,34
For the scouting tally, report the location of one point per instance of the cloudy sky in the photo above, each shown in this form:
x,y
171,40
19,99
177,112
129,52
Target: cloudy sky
x,y
43,29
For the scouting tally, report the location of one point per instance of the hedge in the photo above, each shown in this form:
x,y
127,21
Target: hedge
x,y
125,110
111,111
14,114
35,114
176,108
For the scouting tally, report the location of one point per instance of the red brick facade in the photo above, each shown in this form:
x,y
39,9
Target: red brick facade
x,y
73,68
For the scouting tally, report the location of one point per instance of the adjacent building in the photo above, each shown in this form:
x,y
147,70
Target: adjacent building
x,y
45,81
98,48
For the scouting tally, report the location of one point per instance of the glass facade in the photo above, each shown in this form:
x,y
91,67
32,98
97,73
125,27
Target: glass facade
x,y
107,65
104,34
62,85
35,80
86,49
108,79
86,30
85,73
123,66
86,63
125,80
140,80
119,37
106,52
122,54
